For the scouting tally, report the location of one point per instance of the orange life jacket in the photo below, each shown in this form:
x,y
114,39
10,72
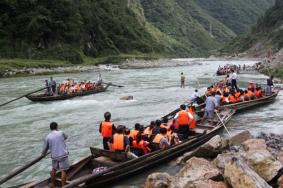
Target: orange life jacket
x,y
106,129
193,122
183,118
141,145
133,134
237,95
158,138
250,93
118,142
232,99
147,131
258,93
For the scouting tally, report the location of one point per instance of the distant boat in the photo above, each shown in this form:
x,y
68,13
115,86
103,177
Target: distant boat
x,y
44,97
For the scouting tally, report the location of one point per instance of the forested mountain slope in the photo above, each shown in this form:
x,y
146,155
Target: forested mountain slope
x,y
73,29
268,33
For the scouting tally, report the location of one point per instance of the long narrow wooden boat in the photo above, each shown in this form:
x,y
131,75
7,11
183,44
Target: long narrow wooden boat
x,y
116,166
245,105
44,97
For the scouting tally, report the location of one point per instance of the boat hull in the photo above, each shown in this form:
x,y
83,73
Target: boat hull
x,y
45,98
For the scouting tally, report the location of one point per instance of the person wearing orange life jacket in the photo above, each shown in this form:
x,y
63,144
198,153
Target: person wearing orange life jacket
x,y
140,146
251,94
148,130
238,95
119,142
107,129
161,140
225,99
134,133
246,96
258,92
184,119
164,124
232,98
192,110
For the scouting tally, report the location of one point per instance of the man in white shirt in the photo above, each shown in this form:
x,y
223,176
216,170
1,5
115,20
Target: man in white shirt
x,y
234,77
194,96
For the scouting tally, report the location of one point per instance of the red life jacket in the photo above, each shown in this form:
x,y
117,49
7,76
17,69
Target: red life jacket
x,y
141,145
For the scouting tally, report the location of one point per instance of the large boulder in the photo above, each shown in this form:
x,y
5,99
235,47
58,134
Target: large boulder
x,y
263,163
127,97
158,180
196,169
204,184
254,144
210,149
240,175
280,182
222,159
240,137
280,156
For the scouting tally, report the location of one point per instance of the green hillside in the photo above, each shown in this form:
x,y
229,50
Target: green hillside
x,y
73,30
237,15
267,33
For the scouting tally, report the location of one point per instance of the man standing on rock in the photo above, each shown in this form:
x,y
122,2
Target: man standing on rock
x,y
55,142
182,80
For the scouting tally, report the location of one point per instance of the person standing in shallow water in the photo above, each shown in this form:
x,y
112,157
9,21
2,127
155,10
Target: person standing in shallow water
x,y
182,80
55,142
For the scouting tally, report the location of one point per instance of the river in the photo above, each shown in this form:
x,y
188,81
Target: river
x,y
24,124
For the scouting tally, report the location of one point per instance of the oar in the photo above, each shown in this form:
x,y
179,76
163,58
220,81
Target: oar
x,y
22,96
21,169
113,84
223,123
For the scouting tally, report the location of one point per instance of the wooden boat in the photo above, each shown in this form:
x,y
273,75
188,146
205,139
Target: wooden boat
x,y
117,166
245,105
44,97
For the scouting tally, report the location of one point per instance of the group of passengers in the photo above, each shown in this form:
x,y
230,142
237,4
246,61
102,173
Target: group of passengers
x,y
69,86
227,69
160,134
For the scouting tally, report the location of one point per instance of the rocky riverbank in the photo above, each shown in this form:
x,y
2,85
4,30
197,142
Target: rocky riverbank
x,y
243,161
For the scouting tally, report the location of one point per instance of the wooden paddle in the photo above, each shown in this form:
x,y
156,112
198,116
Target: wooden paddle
x,y
22,96
21,169
113,84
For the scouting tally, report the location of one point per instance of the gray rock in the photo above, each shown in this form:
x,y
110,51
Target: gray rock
x,y
254,144
210,149
240,175
158,180
195,169
127,97
239,138
263,163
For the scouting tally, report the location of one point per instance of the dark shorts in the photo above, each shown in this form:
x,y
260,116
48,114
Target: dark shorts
x,y
60,164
